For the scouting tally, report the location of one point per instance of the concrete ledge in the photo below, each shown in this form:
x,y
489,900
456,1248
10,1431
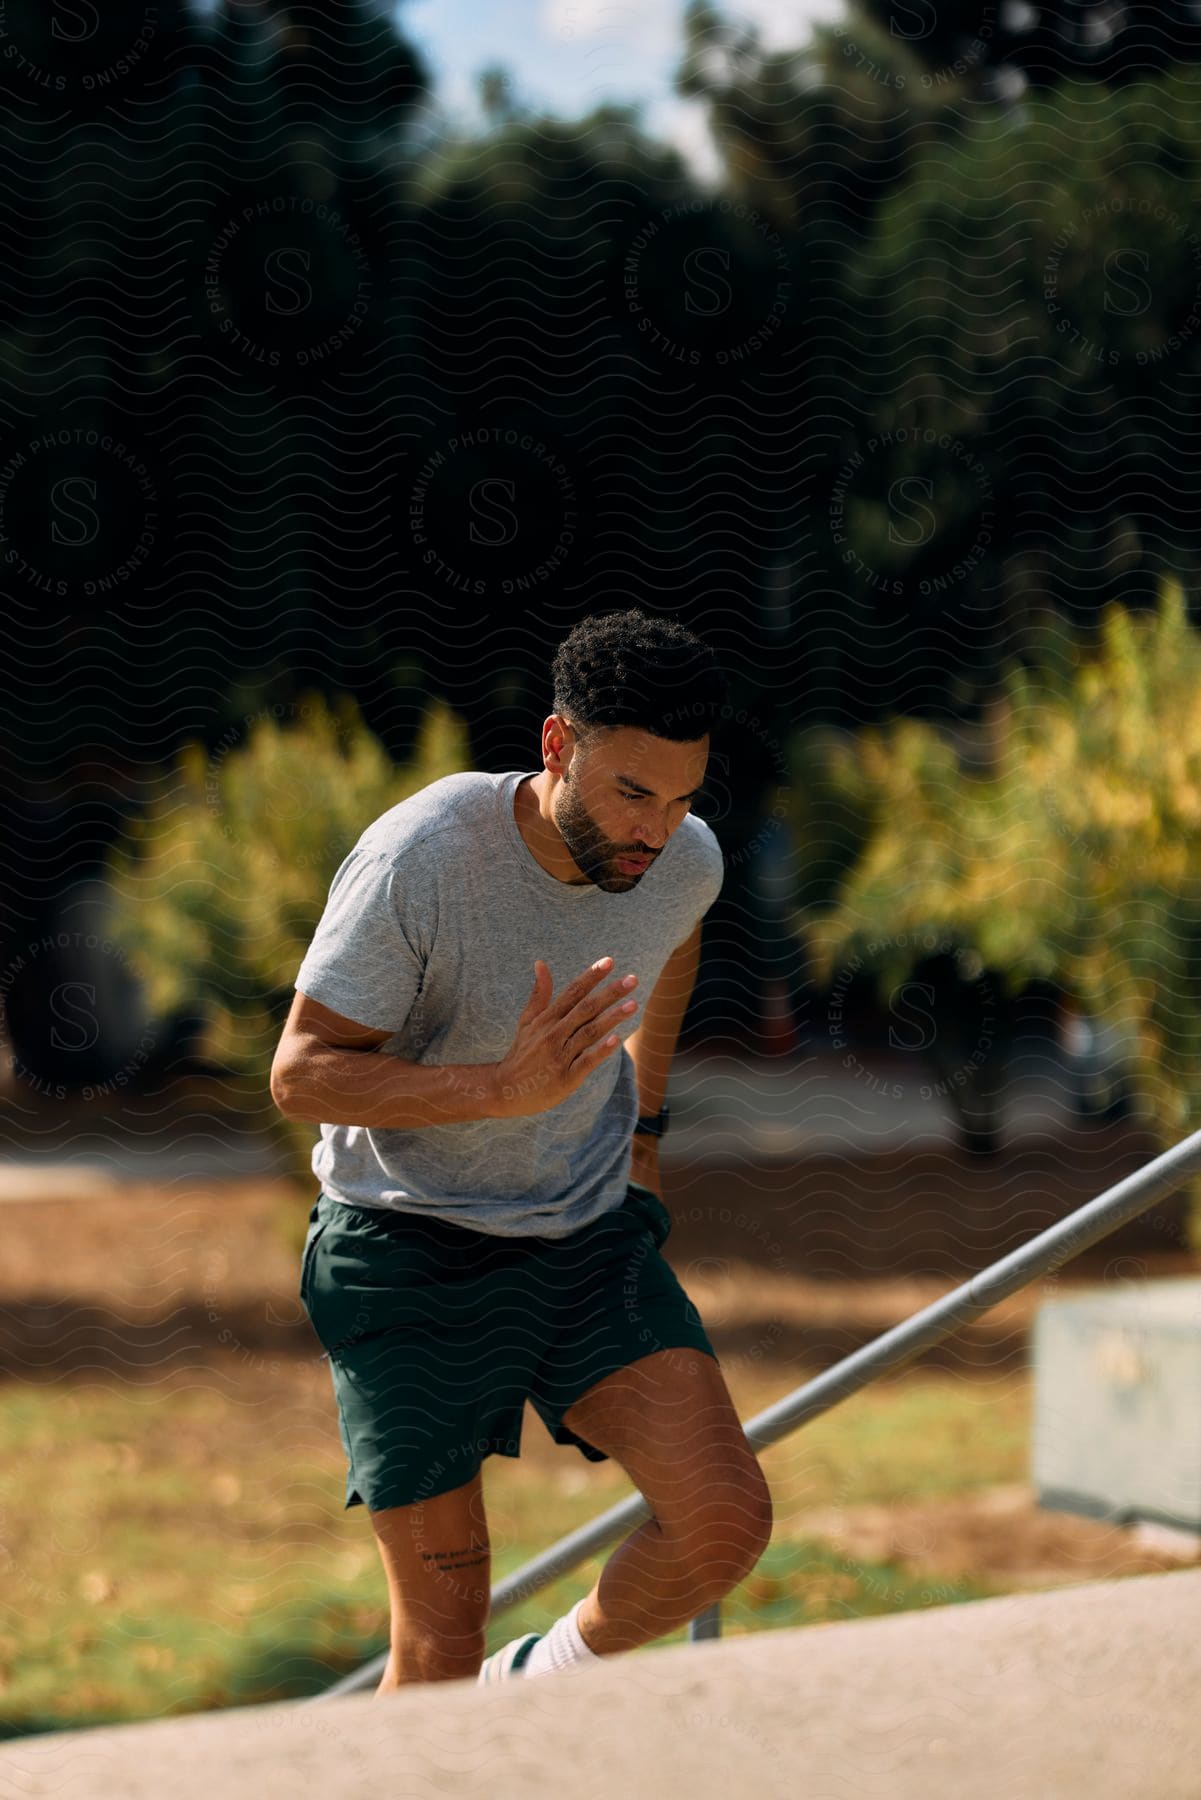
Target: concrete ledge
x,y
1090,1690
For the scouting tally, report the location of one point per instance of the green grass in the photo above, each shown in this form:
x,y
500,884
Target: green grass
x,y
912,1437
793,1584
166,1551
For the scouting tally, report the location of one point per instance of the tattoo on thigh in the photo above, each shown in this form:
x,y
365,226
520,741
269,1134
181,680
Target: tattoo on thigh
x,y
448,1561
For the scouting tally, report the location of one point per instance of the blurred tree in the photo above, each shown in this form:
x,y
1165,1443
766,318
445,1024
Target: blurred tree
x,y
1076,858
1042,41
218,887
1002,361
67,63
345,67
606,290
1048,339
229,239
822,140
813,138
498,99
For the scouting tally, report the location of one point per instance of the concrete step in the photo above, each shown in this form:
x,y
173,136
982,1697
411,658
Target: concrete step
x,y
1089,1690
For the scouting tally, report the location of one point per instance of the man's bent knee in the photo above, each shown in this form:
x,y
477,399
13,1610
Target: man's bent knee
x,y
726,1558
721,1541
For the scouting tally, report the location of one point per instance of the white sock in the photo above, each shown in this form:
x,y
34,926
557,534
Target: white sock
x,y
561,1648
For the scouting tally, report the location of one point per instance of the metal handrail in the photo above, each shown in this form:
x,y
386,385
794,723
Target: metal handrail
x,y
893,1348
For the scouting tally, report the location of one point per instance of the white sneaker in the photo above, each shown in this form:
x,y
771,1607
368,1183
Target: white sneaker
x,y
503,1664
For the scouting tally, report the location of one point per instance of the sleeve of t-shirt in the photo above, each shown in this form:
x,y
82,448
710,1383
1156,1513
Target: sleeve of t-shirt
x,y
364,961
713,876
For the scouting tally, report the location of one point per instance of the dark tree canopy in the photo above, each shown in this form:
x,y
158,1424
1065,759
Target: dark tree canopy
x,y
1046,41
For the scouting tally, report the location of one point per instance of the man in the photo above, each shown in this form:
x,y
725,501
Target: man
x,y
478,1239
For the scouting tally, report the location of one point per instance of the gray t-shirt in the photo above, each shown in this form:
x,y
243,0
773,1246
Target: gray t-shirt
x,y
430,932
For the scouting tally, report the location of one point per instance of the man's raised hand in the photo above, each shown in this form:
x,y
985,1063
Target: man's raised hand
x,y
560,1039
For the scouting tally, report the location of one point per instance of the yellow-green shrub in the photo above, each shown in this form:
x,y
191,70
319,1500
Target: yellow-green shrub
x,y
1075,856
218,886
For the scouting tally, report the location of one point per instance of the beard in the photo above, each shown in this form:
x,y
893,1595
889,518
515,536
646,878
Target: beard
x,y
592,852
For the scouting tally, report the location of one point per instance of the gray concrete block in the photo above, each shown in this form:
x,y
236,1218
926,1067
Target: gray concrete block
x,y
1116,1429
1087,1690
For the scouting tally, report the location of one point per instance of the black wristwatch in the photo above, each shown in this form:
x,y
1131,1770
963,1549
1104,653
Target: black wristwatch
x,y
652,1124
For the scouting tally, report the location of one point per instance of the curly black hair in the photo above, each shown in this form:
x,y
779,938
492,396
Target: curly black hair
x,y
628,668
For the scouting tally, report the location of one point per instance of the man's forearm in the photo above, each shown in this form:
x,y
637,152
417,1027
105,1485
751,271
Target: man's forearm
x,y
383,1093
652,1045
650,1072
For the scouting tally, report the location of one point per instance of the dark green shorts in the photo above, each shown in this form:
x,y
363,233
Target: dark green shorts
x,y
437,1334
